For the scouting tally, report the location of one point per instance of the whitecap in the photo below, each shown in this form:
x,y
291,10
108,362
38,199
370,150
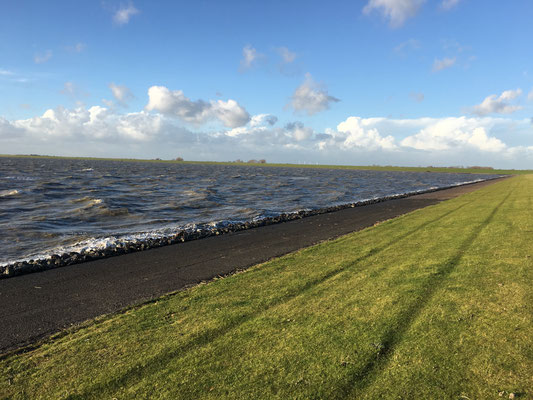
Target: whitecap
x,y
9,192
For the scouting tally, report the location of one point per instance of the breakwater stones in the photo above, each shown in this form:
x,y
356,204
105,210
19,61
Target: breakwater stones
x,y
200,231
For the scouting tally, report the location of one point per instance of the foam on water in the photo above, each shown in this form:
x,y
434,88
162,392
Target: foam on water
x,y
9,192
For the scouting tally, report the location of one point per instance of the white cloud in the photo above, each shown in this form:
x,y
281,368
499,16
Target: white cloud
x,y
41,58
99,130
121,93
454,133
498,104
286,55
124,13
448,4
263,119
298,131
396,11
230,113
95,123
311,97
257,124
174,103
250,56
530,95
440,64
4,72
356,132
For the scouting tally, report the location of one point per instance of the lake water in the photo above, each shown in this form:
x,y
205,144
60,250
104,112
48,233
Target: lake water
x,y
55,206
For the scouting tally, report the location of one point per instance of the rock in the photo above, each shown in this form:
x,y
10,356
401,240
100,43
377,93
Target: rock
x,y
8,270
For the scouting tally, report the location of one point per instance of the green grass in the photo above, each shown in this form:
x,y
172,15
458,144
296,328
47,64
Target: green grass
x,y
436,304
358,167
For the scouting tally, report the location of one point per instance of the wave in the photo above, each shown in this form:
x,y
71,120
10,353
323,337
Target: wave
x,y
89,200
9,192
104,246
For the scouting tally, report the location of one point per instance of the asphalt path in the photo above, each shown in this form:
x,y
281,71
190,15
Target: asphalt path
x,y
36,305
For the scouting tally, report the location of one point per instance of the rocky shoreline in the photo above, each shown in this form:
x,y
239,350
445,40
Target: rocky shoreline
x,y
62,260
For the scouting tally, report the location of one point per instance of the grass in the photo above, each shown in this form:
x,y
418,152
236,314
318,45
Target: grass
x,y
436,304
460,170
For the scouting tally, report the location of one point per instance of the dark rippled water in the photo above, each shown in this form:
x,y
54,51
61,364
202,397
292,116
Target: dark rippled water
x,y
52,206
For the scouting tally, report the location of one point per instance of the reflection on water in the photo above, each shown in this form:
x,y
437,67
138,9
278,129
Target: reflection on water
x,y
46,204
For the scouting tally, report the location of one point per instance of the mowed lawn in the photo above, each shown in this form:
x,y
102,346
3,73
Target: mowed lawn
x,y
437,304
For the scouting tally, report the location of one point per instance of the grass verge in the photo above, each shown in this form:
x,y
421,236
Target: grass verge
x,y
436,304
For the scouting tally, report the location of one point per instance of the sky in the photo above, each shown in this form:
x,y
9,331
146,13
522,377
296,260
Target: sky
x,y
361,82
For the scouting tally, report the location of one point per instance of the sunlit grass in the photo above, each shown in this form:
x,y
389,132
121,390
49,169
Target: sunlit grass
x,y
436,304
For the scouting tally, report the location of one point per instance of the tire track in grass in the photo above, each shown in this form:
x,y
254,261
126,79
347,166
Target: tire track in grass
x,y
365,376
158,361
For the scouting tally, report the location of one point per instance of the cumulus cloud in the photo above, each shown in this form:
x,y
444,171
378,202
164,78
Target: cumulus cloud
x,y
266,120
41,58
124,13
90,124
446,62
454,133
448,4
311,97
250,56
121,93
495,104
174,103
396,11
298,131
357,132
257,124
422,141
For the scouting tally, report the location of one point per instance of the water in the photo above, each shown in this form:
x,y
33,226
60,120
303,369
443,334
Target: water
x,y
56,206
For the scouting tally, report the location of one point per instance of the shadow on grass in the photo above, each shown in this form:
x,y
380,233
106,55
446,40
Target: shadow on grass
x,y
158,362
365,376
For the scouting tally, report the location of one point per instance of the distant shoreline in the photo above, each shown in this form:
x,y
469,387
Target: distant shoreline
x,y
463,170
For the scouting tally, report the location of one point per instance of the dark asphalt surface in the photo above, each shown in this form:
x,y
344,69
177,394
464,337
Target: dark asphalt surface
x,y
36,305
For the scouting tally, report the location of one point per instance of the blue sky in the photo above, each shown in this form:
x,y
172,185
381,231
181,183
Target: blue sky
x,y
404,82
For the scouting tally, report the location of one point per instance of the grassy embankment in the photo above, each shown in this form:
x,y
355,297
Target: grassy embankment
x,y
358,167
436,304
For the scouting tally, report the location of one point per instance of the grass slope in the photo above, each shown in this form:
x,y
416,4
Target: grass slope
x,y
436,304
357,167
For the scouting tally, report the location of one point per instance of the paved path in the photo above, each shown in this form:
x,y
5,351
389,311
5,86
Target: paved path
x,y
36,305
